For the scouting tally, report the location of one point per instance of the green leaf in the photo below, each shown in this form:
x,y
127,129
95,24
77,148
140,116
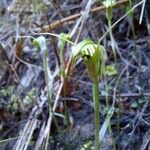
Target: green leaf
x,y
141,101
128,8
106,123
109,3
110,70
134,104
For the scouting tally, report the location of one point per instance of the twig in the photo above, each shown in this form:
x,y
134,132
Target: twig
x,y
123,95
30,126
58,23
10,139
104,35
142,11
136,122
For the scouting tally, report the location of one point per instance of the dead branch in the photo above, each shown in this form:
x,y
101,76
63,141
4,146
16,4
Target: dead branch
x,y
59,23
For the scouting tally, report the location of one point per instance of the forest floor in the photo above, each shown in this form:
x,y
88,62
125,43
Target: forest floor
x,y
24,113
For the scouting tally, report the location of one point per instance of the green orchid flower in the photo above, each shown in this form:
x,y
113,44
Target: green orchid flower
x,y
109,3
94,57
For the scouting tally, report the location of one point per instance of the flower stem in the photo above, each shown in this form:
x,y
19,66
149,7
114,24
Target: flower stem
x,y
96,111
109,18
48,81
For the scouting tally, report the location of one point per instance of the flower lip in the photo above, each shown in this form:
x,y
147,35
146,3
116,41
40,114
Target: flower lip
x,y
109,3
94,57
77,50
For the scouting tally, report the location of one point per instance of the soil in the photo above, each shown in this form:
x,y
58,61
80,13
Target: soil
x,y
23,92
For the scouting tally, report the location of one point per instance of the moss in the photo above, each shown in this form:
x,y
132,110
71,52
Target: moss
x,y
29,98
6,91
5,94
9,100
14,104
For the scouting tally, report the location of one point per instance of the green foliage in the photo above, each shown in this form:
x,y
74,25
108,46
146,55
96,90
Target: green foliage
x,y
6,91
14,105
128,9
110,70
87,146
5,94
138,104
94,57
40,42
29,98
9,100
134,104
109,15
38,6
106,123
62,41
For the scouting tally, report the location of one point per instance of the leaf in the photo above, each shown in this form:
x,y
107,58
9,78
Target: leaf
x,y
109,3
110,70
105,124
128,9
134,105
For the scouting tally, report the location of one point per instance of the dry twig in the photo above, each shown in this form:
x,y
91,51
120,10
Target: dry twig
x,y
59,23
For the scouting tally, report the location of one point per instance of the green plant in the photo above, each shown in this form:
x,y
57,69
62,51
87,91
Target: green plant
x,y
61,46
40,42
94,57
29,98
13,105
87,146
110,70
37,6
130,16
109,14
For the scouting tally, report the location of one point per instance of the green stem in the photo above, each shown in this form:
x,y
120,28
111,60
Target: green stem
x,y
47,80
64,78
96,111
66,121
132,23
109,18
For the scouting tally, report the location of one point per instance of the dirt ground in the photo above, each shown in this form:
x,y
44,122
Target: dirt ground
x,y
24,106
